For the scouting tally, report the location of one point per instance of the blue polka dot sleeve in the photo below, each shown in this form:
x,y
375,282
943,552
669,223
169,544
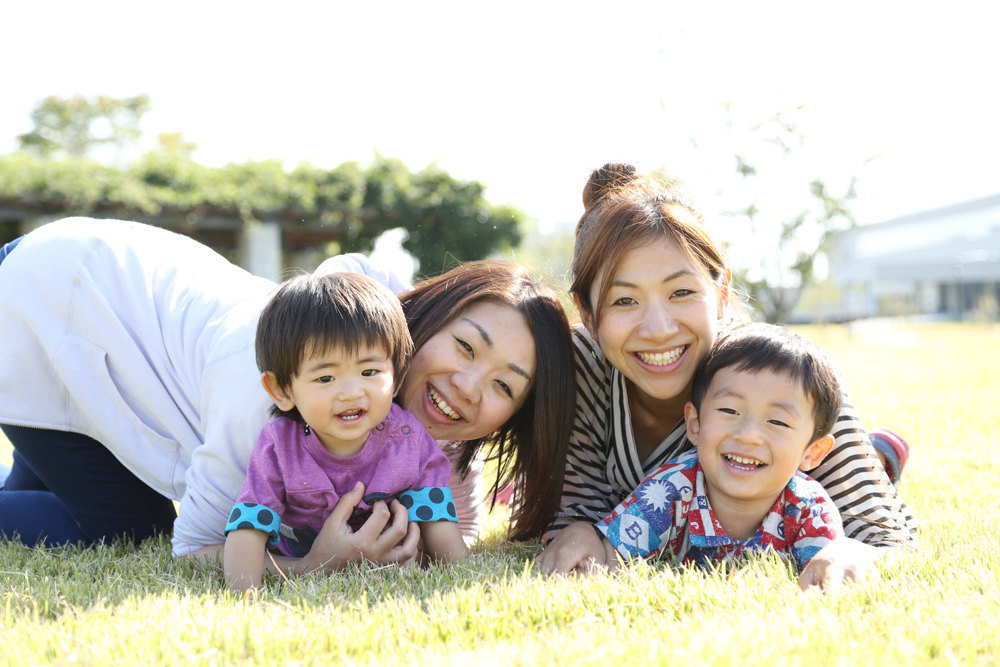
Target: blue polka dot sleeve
x,y
256,517
431,503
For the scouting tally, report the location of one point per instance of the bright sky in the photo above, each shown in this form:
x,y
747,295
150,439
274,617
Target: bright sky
x,y
529,97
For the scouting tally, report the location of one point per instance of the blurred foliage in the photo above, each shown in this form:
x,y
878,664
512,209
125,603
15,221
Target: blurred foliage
x,y
75,125
776,284
55,173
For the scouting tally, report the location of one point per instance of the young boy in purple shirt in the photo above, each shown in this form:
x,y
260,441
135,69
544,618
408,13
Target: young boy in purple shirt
x,y
332,351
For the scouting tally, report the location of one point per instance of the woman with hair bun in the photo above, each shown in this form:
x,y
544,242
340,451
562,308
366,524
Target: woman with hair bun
x,y
654,292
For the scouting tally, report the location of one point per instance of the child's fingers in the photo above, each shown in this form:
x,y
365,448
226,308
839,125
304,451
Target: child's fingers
x,y
406,551
367,536
398,542
345,506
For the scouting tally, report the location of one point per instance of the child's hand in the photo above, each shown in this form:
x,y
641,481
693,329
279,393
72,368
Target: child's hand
x,y
843,560
578,548
336,545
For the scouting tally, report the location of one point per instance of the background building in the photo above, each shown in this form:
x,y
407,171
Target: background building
x,y
944,261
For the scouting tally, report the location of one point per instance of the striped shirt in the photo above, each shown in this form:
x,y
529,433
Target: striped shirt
x,y
603,466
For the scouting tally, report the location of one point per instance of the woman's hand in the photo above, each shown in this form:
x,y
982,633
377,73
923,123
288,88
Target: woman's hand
x,y
577,548
336,545
843,560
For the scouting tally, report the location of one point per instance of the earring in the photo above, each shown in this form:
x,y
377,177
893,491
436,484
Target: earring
x,y
307,429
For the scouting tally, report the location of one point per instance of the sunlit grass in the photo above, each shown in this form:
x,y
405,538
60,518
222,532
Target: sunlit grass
x,y
938,385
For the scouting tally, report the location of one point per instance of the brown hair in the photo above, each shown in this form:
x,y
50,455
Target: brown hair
x,y
768,347
311,314
622,211
530,448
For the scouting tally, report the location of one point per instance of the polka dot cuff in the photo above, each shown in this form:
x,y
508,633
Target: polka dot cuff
x,y
256,517
431,503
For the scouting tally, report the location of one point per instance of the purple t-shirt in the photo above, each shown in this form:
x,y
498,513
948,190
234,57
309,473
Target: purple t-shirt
x,y
291,473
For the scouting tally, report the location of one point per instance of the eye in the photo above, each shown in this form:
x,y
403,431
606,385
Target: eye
x,y
369,372
325,379
465,346
624,301
683,292
505,388
778,423
728,411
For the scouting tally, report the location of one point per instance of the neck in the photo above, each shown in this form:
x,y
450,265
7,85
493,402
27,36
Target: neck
x,y
740,519
651,410
342,449
652,419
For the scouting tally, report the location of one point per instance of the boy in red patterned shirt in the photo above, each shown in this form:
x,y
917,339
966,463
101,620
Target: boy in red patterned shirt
x,y
763,405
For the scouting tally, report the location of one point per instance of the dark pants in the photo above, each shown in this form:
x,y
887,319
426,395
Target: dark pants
x,y
66,488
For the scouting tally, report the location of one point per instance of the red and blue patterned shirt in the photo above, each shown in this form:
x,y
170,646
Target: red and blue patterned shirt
x,y
669,515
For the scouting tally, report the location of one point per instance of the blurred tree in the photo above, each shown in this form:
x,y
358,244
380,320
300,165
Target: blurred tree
x,y
173,143
778,276
76,125
447,219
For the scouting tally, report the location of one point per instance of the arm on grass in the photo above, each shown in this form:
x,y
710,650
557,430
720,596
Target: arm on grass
x,y
443,541
336,545
577,548
243,558
844,560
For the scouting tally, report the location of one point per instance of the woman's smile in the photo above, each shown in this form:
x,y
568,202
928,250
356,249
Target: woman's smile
x,y
658,320
471,376
441,406
661,360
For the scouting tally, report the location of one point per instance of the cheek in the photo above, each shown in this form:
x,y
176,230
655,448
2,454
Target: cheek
x,y
613,327
497,414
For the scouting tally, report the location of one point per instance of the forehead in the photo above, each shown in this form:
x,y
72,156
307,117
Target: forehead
x,y
653,259
337,353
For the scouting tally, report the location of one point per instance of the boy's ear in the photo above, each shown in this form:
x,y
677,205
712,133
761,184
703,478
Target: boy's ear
x,y
816,452
586,316
691,421
277,394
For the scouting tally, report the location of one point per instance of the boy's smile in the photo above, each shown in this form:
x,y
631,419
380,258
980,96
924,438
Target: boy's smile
x,y
753,432
342,396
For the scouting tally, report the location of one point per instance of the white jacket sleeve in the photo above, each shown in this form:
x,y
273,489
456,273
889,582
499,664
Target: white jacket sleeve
x,y
355,262
234,409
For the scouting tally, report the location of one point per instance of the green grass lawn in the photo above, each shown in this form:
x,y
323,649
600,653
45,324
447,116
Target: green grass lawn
x,y
938,385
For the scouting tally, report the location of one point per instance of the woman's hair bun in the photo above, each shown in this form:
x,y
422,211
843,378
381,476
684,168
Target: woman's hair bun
x,y
606,179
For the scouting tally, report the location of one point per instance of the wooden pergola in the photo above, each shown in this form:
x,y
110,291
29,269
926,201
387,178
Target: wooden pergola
x,y
276,240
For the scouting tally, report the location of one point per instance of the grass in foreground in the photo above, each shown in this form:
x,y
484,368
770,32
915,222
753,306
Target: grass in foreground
x,y
938,386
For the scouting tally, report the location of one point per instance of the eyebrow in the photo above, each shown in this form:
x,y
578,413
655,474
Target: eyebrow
x,y
673,276
729,393
482,331
371,359
489,343
520,371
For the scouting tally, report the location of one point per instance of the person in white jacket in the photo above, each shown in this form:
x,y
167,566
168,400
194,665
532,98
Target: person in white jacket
x,y
128,381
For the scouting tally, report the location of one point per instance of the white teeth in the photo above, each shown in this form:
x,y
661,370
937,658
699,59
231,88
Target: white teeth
x,y
441,405
662,358
743,461
353,415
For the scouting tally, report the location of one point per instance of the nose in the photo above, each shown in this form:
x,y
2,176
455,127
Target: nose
x,y
468,382
748,432
350,390
658,321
